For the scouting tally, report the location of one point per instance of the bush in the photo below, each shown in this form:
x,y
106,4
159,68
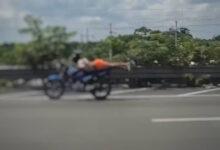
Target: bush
x,y
190,80
200,81
5,83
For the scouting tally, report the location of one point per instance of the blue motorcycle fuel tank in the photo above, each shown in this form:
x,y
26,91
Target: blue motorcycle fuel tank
x,y
54,77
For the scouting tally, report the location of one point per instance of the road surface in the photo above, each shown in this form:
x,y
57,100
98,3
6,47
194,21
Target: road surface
x,y
143,119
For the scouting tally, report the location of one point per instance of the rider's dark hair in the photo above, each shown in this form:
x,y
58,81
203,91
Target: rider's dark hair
x,y
76,58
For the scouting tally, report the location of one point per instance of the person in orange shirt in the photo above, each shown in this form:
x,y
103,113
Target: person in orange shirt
x,y
97,64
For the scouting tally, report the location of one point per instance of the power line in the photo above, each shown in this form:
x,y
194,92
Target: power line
x,y
211,24
90,9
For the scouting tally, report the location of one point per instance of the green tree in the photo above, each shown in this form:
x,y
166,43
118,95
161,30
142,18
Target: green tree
x,y
47,44
143,31
217,38
7,54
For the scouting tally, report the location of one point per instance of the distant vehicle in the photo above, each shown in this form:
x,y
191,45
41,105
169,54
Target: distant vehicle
x,y
96,82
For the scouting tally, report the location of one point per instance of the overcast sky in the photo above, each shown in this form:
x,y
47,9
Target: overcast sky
x,y
202,17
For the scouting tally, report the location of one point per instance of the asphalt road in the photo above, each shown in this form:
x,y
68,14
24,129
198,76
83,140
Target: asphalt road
x,y
145,119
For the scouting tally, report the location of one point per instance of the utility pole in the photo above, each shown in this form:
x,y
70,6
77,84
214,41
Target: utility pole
x,y
111,34
87,35
82,38
176,32
110,29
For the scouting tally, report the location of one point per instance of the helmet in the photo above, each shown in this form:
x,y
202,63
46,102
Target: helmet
x,y
76,57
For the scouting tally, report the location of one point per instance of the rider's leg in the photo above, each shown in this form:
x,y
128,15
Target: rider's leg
x,y
120,65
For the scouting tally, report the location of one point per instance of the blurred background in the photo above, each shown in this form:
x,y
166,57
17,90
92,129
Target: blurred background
x,y
42,35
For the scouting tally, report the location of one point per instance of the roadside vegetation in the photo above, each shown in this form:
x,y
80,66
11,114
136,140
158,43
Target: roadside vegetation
x,y
146,47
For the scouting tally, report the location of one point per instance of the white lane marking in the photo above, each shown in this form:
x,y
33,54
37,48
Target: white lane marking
x,y
211,95
159,96
141,96
129,91
199,92
176,120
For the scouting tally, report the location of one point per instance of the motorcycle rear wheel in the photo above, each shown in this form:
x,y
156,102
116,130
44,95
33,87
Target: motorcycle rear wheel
x,y
102,89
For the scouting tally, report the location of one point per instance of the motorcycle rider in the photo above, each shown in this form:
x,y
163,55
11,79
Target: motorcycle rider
x,y
83,63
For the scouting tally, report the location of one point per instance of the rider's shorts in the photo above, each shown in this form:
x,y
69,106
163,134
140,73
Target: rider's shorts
x,y
100,64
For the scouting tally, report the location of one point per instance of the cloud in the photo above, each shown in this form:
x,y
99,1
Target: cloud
x,y
6,10
204,1
97,14
90,19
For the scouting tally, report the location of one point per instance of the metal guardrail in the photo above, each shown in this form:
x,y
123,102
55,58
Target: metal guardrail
x,y
159,72
141,76
25,74
154,74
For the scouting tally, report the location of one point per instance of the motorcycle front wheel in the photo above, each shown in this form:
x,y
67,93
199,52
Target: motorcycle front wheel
x,y
54,89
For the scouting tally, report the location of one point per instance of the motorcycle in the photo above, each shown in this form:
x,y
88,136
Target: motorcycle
x,y
96,82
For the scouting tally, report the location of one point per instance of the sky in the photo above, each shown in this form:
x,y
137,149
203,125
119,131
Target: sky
x,y
91,18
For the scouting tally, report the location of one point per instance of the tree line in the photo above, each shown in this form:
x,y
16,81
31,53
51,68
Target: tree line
x,y
146,47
